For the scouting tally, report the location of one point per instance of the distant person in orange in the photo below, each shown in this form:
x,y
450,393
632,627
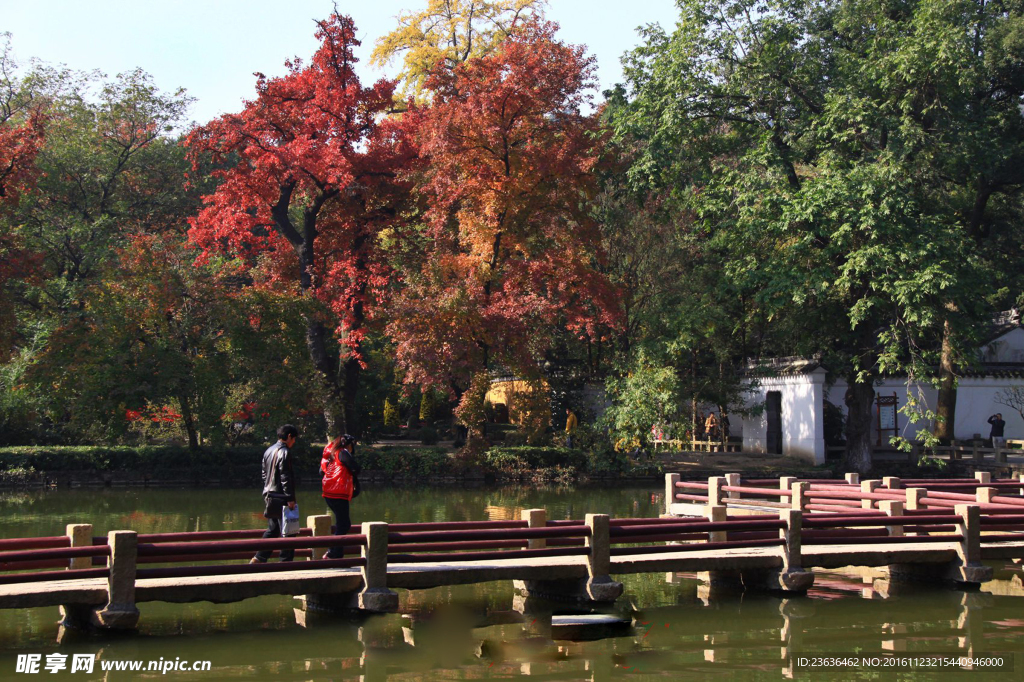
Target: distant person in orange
x,y
711,426
340,485
571,424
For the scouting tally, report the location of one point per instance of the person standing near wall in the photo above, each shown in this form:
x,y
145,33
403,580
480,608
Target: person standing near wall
x,y
996,435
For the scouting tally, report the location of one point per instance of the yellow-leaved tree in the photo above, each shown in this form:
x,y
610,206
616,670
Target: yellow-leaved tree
x,y
452,30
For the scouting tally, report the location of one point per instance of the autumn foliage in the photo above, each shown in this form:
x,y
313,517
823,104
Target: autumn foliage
x,y
506,167
20,141
311,181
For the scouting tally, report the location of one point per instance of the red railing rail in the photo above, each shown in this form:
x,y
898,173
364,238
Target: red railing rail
x,y
178,549
231,569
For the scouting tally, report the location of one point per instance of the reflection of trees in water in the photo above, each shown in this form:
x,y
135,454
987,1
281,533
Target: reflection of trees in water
x,y
673,628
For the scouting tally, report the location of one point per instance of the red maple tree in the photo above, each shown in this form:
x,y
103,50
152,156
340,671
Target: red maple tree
x,y
21,136
312,181
507,160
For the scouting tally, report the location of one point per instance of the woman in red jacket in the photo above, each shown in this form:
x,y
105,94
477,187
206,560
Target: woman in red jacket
x,y
340,485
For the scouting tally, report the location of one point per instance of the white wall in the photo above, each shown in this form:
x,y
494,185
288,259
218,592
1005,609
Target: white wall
x,y
803,434
975,403
925,395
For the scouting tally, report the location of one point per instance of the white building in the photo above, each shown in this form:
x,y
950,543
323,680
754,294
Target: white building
x,y
786,410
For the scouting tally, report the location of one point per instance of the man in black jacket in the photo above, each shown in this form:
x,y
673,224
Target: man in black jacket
x,y
278,489
996,435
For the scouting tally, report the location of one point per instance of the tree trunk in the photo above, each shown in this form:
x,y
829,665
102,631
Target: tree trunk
x,y
859,398
352,369
189,421
326,366
350,389
945,410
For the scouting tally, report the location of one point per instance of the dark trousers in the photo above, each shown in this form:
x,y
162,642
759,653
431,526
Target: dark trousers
x,y
342,524
274,531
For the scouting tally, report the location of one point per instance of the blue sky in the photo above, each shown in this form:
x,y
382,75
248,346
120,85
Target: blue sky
x,y
212,47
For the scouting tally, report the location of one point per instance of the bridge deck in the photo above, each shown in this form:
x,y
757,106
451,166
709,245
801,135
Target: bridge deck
x,y
230,588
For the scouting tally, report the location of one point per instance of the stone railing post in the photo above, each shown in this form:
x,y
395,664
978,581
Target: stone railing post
x,y
892,482
985,495
716,496
670,491
120,613
976,452
1000,455
914,497
321,525
600,586
536,518
969,550
893,508
869,487
716,514
1021,479
983,477
786,483
733,480
78,615
80,535
375,595
792,552
853,479
798,499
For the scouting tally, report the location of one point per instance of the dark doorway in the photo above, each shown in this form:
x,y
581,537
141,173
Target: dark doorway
x,y
773,410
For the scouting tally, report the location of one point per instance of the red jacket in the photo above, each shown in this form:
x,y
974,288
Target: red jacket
x,y
338,482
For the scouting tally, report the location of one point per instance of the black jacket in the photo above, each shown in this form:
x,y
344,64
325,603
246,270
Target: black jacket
x,y
997,427
278,476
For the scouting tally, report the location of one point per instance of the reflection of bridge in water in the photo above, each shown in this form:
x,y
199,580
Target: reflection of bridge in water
x,y
709,628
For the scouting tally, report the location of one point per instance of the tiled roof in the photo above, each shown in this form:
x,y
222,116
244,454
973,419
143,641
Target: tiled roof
x,y
783,366
996,370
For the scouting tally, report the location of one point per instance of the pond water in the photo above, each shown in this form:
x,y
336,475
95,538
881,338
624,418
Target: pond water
x,y
664,626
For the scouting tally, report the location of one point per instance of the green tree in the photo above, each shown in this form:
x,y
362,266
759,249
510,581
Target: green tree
x,y
807,139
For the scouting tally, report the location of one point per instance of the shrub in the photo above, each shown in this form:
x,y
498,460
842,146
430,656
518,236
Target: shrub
x,y
391,417
526,457
427,406
424,463
428,435
241,463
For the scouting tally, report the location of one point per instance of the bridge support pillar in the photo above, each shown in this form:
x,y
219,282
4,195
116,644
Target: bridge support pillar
x,y
77,615
120,612
600,586
970,572
376,597
722,582
791,578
